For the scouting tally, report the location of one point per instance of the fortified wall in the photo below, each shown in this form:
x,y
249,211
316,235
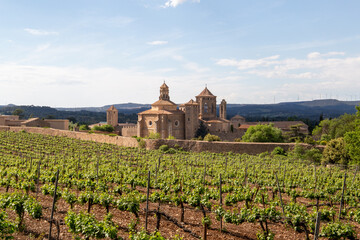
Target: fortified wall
x,y
188,145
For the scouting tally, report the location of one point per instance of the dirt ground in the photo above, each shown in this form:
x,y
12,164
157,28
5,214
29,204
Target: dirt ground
x,y
39,229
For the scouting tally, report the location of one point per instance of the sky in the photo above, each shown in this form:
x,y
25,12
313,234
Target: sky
x,y
77,53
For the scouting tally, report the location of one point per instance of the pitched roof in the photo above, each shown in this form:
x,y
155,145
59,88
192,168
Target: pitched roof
x,y
167,112
163,103
112,108
237,117
164,85
30,120
205,92
191,102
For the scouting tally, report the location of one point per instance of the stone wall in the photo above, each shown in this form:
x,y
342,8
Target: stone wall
x,y
117,140
188,145
229,136
129,131
219,147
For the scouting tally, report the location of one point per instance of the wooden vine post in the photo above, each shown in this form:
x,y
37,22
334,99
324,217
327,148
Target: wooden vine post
x,y
147,201
220,192
245,177
281,202
356,170
317,226
204,172
53,204
342,196
38,179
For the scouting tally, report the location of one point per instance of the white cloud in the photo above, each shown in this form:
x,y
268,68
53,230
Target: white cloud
x,y
175,3
248,63
38,32
329,54
329,73
195,67
158,42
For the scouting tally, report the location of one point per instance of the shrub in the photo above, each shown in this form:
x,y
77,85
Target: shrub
x,y
263,133
237,140
84,127
171,137
278,151
309,140
338,230
163,148
335,152
210,138
153,135
6,226
142,143
313,155
171,151
104,128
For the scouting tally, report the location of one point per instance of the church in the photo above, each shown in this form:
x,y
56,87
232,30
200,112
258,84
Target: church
x,y
167,119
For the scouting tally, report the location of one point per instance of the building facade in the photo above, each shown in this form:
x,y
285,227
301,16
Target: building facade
x,y
166,119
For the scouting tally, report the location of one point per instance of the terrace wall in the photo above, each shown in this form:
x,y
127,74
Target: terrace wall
x,y
188,145
117,140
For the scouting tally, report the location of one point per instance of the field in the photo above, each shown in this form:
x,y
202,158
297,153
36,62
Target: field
x,y
101,192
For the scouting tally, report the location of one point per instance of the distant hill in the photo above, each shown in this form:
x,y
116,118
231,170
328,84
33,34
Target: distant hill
x,y
82,116
122,107
328,108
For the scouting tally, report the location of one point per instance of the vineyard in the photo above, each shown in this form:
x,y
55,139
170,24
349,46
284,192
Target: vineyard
x,y
75,189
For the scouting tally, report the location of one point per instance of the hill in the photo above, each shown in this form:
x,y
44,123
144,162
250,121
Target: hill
x,y
81,116
308,111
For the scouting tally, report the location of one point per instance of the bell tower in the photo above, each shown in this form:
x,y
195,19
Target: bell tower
x,y
222,110
207,104
164,92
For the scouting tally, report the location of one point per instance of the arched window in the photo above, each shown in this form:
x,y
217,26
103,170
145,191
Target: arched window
x,y
205,108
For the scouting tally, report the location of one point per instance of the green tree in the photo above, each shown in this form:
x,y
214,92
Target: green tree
x,y
335,152
201,131
295,134
263,133
352,140
335,128
19,112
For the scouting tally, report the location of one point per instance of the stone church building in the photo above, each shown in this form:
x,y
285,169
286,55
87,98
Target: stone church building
x,y
167,119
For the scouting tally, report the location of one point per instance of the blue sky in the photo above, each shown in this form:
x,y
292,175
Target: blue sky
x,y
92,53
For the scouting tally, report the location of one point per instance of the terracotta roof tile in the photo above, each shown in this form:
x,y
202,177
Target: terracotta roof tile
x,y
205,92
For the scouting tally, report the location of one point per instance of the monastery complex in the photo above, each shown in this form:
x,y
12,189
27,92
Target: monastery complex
x,y
182,122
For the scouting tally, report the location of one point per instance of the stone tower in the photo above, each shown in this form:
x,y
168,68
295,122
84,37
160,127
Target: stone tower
x,y
222,110
191,110
112,117
164,92
207,104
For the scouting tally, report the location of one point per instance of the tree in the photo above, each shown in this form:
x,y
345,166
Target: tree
x,y
201,131
352,140
335,152
19,112
295,134
263,133
335,128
